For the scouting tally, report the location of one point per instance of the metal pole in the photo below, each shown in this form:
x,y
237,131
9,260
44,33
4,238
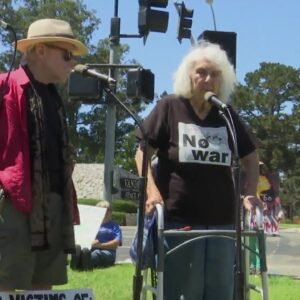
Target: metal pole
x,y
137,278
111,114
239,272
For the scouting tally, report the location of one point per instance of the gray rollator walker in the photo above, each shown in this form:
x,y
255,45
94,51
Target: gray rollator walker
x,y
155,285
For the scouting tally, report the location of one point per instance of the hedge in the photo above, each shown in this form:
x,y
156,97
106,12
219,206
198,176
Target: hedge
x,y
119,217
87,201
126,206
119,208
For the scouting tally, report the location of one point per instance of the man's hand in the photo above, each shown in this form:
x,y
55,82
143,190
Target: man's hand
x,y
96,244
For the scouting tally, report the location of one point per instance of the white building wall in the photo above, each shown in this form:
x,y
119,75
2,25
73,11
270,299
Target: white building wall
x,y
88,180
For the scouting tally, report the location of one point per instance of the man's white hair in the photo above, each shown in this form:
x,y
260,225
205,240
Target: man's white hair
x,y
27,56
104,204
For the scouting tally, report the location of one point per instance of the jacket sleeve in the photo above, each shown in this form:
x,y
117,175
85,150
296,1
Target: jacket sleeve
x,y
14,149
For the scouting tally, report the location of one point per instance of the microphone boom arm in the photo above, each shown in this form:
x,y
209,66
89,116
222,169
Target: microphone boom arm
x,y
239,273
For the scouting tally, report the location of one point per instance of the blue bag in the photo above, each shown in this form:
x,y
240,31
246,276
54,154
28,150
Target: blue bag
x,y
149,249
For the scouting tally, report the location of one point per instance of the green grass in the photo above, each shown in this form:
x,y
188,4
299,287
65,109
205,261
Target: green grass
x,y
115,283
286,226
88,201
280,288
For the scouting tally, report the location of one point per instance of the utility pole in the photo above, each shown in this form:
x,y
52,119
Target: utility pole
x,y
149,20
111,109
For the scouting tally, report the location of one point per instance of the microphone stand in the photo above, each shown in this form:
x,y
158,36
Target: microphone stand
x,y
137,278
239,272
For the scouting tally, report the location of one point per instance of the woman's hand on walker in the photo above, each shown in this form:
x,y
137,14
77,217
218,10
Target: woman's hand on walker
x,y
150,204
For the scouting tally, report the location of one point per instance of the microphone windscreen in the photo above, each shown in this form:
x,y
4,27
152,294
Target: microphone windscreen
x,y
208,95
80,68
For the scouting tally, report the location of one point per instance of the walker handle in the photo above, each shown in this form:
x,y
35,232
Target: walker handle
x,y
160,216
257,217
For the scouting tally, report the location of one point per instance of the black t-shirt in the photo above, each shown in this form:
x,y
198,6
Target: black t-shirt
x,y
193,172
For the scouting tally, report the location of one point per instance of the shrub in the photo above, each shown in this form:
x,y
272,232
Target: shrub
x,y
125,206
88,201
119,217
296,219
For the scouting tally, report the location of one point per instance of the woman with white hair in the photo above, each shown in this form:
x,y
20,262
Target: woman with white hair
x,y
193,177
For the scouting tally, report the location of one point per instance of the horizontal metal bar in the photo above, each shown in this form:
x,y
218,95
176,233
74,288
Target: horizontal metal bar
x,y
113,66
193,233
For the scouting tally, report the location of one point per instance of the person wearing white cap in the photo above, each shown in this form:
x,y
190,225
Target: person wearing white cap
x,y
37,196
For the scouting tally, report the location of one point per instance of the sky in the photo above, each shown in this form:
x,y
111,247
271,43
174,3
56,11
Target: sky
x,y
267,31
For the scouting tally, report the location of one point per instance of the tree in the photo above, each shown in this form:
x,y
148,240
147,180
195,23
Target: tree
x,y
128,149
22,13
291,194
269,104
86,122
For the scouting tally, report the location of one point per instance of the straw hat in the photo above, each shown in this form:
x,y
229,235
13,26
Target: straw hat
x,y
51,30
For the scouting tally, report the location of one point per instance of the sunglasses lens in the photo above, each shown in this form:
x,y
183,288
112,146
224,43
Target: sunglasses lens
x,y
67,55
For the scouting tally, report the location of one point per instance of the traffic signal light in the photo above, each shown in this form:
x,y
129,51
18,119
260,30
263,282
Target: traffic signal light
x,y
227,41
185,21
87,90
150,19
140,84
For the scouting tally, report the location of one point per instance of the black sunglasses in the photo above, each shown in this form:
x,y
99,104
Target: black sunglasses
x,y
67,54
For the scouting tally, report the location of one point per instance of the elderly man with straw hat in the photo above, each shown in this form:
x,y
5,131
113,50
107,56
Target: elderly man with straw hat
x,y
37,197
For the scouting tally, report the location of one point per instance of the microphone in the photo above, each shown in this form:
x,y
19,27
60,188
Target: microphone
x,y
4,25
212,98
85,71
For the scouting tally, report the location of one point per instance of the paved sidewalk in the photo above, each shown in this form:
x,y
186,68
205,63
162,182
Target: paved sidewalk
x,y
283,253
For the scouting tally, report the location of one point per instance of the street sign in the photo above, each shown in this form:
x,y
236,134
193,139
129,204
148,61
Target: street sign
x,y
130,188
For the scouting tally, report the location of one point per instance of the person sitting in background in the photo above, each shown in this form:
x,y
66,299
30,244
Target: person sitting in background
x,y
103,248
267,191
107,240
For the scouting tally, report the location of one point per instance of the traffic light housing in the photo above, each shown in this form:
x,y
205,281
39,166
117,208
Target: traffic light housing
x,y
185,21
140,84
150,19
227,41
84,89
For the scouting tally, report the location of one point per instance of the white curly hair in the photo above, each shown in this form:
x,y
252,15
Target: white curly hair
x,y
213,52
